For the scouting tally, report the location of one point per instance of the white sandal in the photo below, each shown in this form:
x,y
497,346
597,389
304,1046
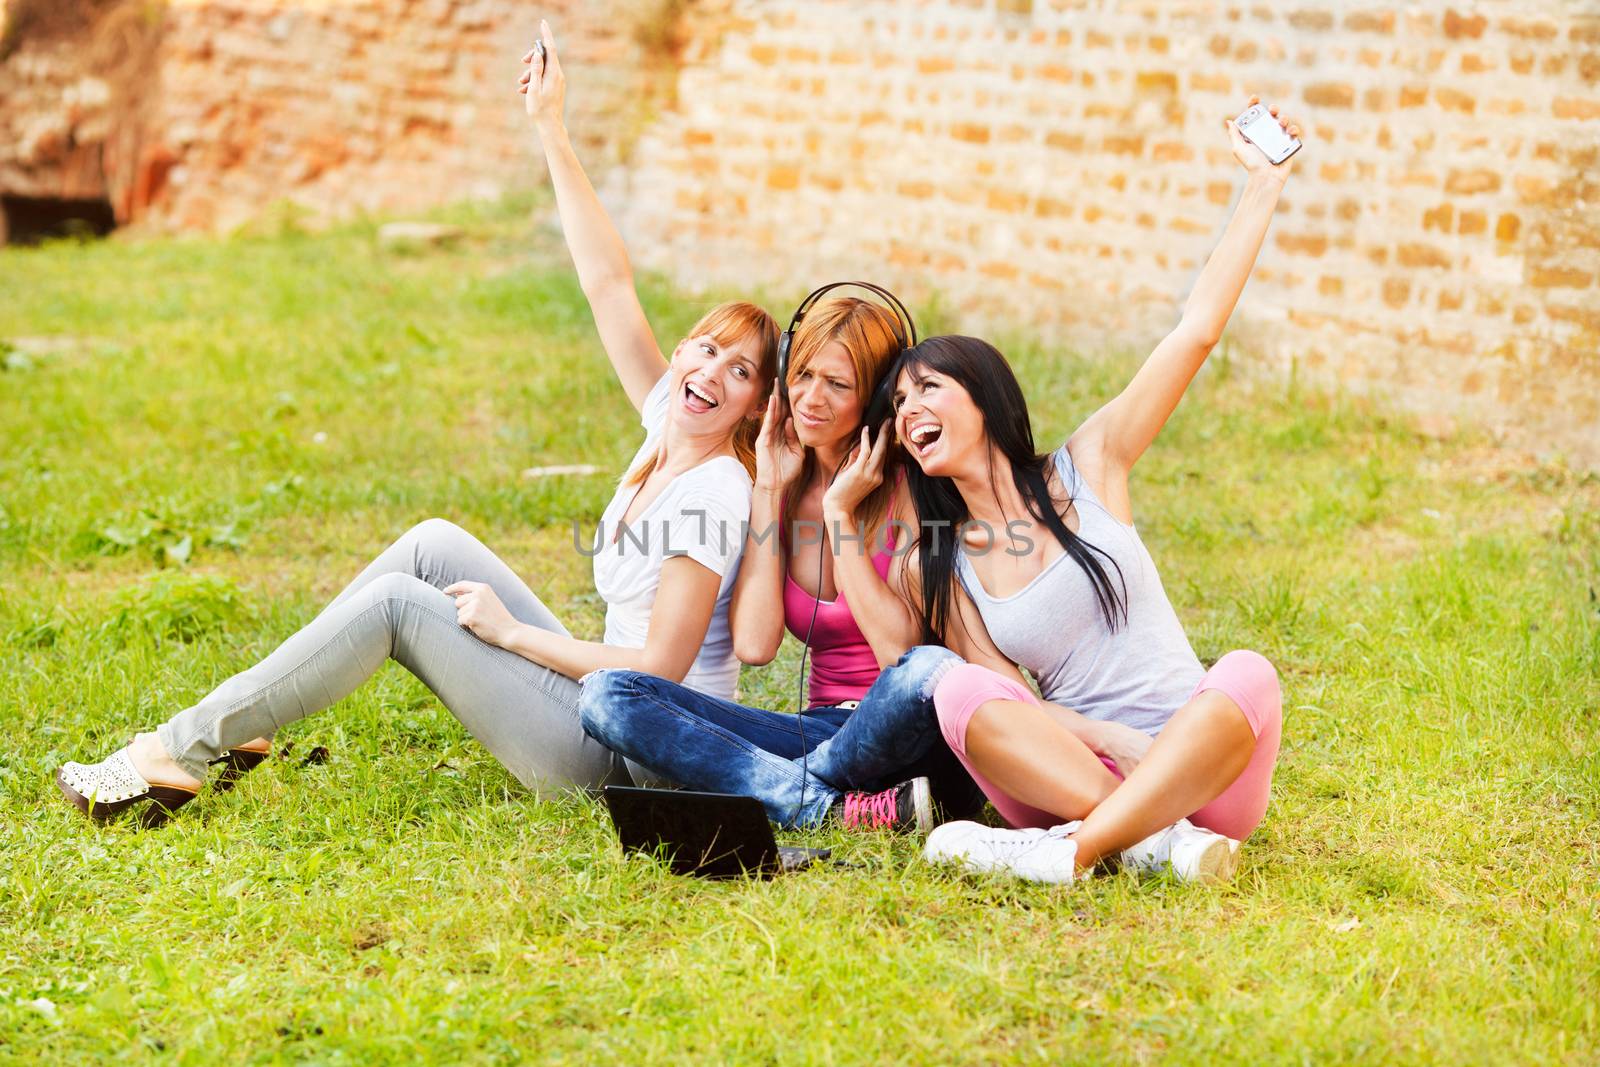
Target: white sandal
x,y
106,789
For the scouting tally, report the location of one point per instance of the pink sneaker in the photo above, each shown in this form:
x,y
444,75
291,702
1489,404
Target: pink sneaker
x,y
908,806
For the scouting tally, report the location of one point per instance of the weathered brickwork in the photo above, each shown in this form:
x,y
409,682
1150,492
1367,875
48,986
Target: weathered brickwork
x,y
1062,163
1054,164
65,132
337,105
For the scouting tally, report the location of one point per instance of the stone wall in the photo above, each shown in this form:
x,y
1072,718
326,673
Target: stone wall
x,y
1061,163
375,105
71,91
336,105
1052,164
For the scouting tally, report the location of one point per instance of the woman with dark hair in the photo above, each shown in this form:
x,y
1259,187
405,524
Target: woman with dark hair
x,y
1027,560
443,605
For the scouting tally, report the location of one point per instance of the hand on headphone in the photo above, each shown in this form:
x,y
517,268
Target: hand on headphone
x,y
779,454
862,473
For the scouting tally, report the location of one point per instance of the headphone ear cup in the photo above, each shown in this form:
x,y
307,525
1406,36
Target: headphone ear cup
x,y
783,364
880,407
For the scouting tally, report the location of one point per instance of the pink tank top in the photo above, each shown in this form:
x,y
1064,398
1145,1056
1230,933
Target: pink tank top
x,y
843,666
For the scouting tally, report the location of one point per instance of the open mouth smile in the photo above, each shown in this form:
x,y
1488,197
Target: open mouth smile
x,y
923,436
697,399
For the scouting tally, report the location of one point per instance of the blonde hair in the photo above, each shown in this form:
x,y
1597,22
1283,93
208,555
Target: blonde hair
x,y
728,324
871,336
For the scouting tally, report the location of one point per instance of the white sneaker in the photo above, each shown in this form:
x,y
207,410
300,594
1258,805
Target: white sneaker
x,y
1034,854
1192,854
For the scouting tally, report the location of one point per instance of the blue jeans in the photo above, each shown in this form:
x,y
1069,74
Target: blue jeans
x,y
796,765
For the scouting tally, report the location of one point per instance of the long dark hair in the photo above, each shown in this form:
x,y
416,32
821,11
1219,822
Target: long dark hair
x,y
980,368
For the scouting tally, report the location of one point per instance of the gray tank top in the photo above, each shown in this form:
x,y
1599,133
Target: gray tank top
x,y
1053,628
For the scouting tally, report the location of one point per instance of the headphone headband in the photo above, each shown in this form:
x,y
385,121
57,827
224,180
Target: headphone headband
x,y
908,328
877,411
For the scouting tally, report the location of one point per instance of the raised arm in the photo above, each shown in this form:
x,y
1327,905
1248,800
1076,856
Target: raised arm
x,y
755,614
1118,434
596,246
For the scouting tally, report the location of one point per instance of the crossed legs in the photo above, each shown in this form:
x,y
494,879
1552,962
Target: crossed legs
x,y
1211,763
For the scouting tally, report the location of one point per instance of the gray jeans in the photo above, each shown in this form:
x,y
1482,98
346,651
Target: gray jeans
x,y
526,714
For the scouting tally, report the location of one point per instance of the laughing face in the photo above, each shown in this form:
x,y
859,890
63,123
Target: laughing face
x,y
937,421
715,385
824,398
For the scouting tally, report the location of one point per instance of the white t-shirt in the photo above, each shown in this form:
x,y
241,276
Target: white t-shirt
x,y
700,514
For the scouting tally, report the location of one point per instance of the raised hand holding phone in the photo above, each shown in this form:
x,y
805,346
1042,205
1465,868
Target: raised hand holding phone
x,y
543,83
1263,141
1111,440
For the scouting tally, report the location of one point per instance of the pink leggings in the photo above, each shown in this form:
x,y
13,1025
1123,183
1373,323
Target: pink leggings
x,y
1247,679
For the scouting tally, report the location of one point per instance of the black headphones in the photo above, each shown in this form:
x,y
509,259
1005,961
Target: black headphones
x,y
878,408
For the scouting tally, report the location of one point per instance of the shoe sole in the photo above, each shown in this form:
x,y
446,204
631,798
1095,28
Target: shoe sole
x,y
1217,861
159,803
236,763
922,805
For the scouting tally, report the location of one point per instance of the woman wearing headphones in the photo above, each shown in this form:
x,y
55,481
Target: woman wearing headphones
x,y
818,561
444,606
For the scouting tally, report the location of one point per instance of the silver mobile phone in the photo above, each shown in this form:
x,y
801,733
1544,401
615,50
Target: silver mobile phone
x,y
1261,129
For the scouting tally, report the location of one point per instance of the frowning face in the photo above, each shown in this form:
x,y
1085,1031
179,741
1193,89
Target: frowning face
x,y
825,398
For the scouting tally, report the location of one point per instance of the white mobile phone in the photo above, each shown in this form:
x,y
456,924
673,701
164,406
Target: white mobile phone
x,y
1261,129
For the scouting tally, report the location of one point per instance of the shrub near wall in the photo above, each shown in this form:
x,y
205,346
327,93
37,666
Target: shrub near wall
x,y
1062,163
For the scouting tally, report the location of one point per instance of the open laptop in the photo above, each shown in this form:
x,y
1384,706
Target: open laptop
x,y
712,835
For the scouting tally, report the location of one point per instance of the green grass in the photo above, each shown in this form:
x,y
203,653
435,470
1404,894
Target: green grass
x,y
216,434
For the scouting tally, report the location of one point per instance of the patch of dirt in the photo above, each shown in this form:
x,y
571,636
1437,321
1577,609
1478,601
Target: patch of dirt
x,y
370,936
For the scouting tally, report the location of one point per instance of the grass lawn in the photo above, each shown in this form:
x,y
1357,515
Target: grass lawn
x,y
205,439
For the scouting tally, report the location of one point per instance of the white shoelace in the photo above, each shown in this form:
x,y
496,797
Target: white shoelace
x,y
1008,849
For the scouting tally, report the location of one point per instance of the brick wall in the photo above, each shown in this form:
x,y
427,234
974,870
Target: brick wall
x,y
337,105
376,105
1053,164
1060,163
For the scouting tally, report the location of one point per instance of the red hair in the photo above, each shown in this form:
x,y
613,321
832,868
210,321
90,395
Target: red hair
x,y
729,324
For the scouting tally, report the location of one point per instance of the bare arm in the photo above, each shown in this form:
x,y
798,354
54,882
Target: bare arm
x,y
885,620
882,616
1111,440
755,616
597,249
756,613
685,600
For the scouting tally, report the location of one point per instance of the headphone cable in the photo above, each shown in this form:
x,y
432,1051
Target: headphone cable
x,y
805,651
906,334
